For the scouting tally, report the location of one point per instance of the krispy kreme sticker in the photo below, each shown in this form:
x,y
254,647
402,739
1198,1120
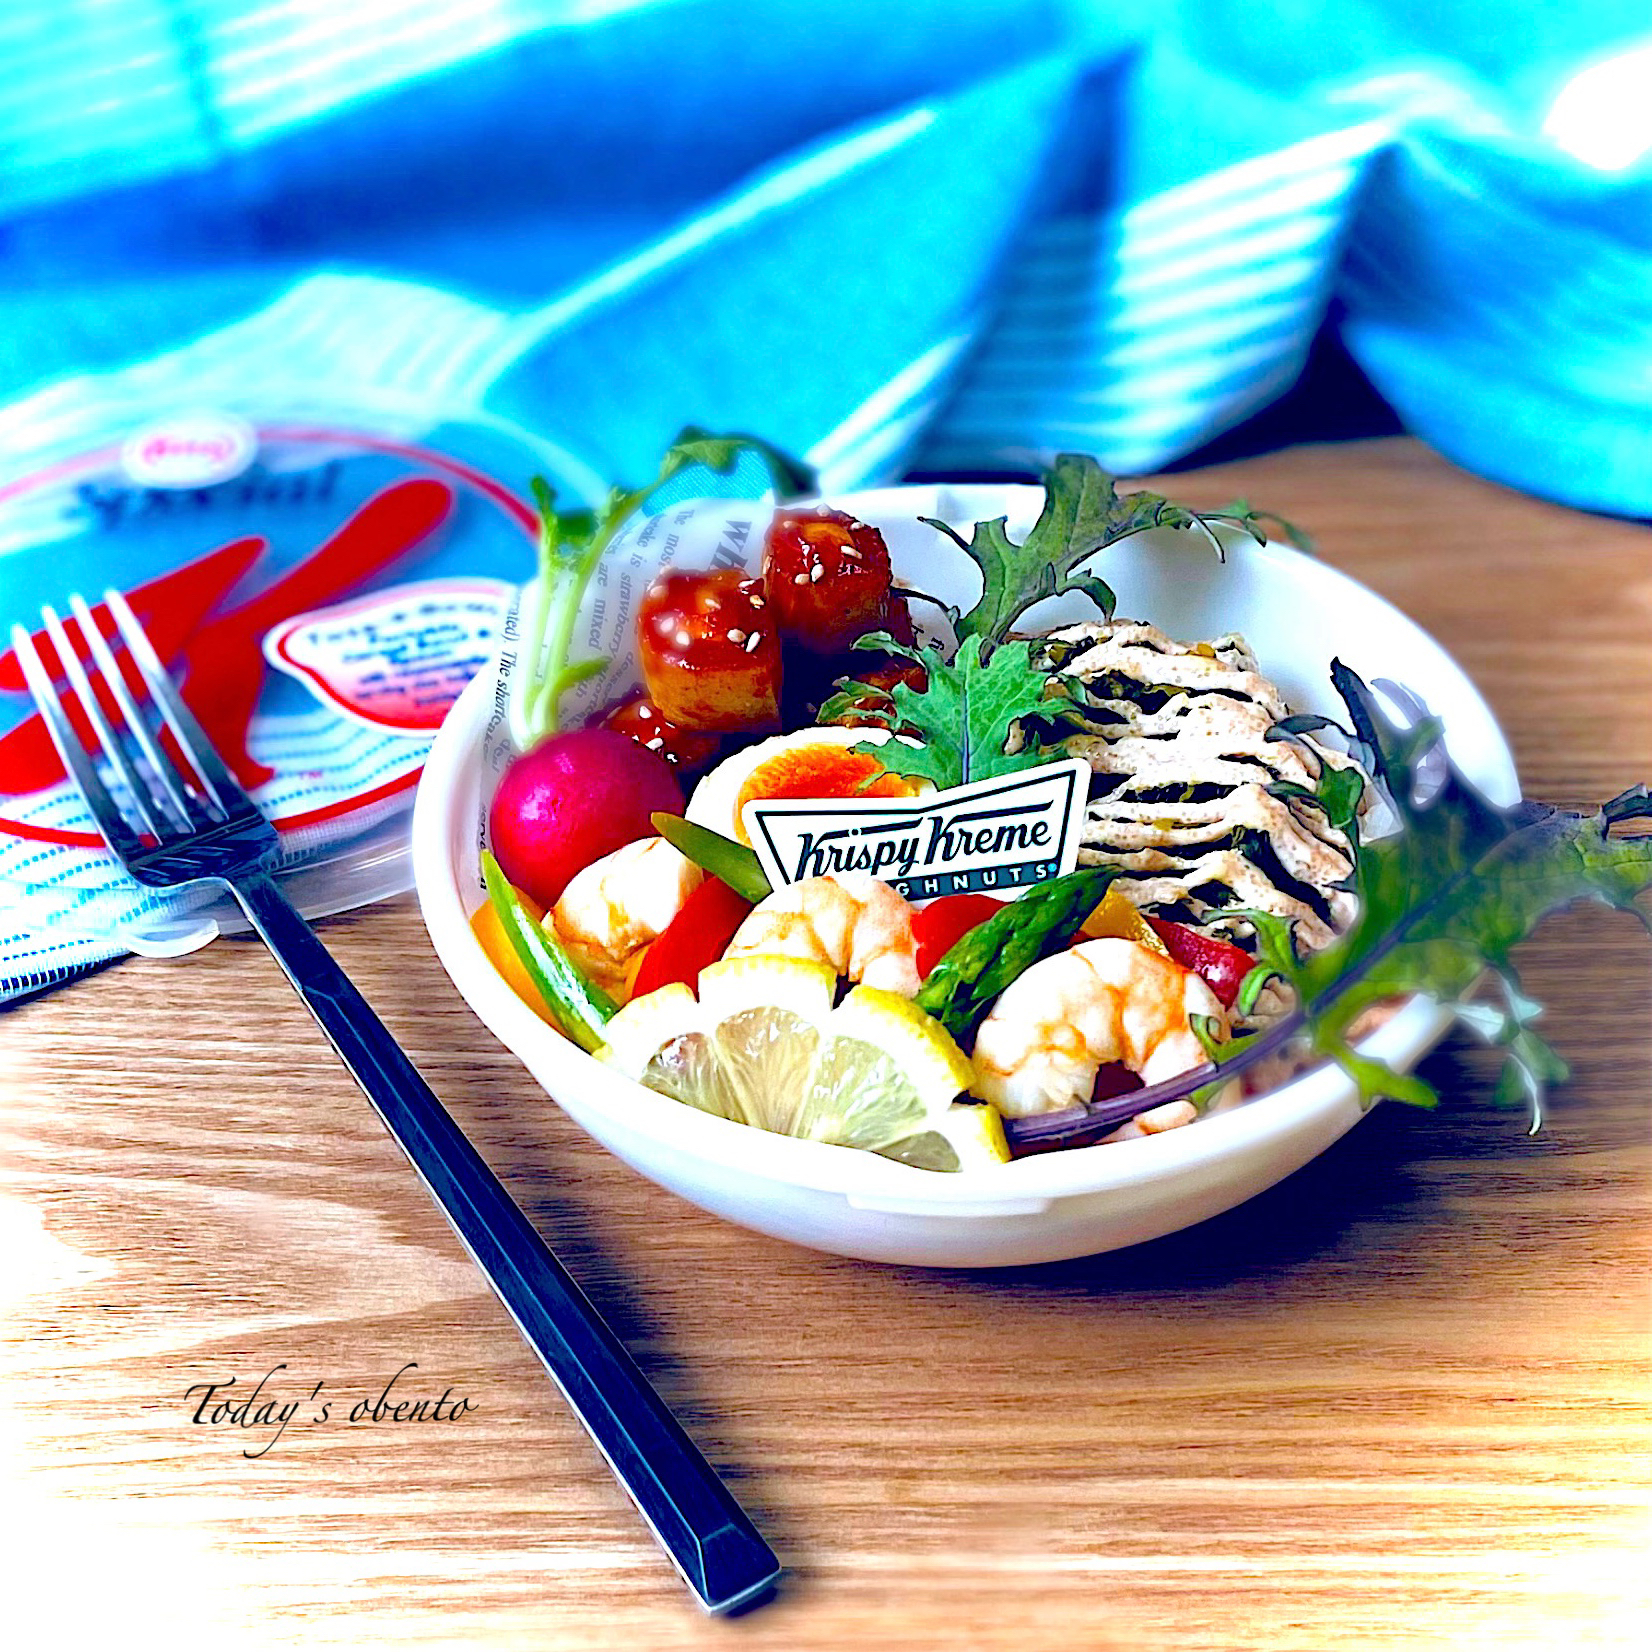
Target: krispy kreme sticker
x,y
995,836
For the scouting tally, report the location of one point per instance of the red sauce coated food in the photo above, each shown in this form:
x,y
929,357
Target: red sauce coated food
x,y
711,651
827,575
642,720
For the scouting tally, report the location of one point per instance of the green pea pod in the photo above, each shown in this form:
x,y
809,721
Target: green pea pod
x,y
583,1009
721,856
961,987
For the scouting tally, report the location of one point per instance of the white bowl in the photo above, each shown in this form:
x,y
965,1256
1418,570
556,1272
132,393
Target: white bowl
x,y
1298,614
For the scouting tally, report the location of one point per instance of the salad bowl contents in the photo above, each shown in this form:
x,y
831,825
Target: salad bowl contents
x,y
892,893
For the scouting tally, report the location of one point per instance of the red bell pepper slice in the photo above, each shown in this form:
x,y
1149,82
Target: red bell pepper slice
x,y
694,938
938,927
1222,964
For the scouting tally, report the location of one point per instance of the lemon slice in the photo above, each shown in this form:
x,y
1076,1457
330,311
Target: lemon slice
x,y
648,1024
918,1044
965,1137
764,1046
800,985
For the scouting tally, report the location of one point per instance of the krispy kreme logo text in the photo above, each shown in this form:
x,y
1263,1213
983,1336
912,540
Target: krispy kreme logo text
x,y
994,836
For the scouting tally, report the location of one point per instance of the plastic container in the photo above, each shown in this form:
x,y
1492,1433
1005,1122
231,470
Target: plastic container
x,y
1298,614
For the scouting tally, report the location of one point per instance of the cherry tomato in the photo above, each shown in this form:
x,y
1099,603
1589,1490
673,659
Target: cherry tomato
x,y
827,575
683,749
1222,964
710,651
944,922
694,938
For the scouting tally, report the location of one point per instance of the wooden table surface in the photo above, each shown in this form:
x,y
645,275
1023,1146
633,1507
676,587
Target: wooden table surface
x,y
1400,1401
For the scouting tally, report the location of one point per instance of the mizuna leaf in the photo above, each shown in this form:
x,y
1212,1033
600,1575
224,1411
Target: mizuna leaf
x,y
962,714
1083,513
1442,902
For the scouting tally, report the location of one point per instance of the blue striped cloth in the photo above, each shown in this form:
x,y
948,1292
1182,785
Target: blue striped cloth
x,y
941,235
935,235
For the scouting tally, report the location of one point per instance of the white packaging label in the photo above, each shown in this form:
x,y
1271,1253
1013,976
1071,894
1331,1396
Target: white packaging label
x,y
397,659
995,837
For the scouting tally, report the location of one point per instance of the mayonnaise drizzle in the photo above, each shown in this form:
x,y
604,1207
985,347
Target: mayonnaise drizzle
x,y
1185,783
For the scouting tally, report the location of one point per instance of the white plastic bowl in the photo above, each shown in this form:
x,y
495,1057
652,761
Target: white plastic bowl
x,y
1298,614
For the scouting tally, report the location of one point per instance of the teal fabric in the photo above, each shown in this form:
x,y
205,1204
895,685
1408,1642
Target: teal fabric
x,y
927,235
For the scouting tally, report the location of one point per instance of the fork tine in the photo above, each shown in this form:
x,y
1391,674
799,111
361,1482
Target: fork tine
x,y
110,821
176,786
149,806
225,790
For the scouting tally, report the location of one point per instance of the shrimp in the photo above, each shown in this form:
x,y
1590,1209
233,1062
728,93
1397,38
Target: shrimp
x,y
852,921
615,906
1056,1024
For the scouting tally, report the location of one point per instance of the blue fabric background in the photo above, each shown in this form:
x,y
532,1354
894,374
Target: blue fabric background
x,y
925,235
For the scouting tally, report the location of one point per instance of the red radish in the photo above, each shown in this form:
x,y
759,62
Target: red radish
x,y
572,799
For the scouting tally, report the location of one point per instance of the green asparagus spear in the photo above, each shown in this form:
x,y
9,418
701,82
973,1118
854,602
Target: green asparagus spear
x,y
581,1008
962,986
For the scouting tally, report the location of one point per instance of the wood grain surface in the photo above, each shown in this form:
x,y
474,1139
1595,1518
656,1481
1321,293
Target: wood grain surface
x,y
1400,1401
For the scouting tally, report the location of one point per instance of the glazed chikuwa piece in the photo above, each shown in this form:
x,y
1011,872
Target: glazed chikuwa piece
x,y
827,575
710,651
686,750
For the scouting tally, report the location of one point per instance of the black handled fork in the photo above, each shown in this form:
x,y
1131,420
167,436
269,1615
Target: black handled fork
x,y
204,827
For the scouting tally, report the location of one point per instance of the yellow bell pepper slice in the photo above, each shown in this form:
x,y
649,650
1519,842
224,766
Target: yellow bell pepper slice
x,y
1114,918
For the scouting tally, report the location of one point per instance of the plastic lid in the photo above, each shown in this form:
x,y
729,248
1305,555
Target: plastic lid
x,y
325,579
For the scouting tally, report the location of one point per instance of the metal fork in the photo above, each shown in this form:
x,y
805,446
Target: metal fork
x,y
205,828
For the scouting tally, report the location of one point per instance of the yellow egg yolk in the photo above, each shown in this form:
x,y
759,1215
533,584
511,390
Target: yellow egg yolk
x,y
818,771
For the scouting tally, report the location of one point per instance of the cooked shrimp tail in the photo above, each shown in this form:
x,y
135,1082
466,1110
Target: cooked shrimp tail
x,y
1055,1026
854,922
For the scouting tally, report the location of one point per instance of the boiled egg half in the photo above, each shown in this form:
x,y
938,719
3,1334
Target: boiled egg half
x,y
809,762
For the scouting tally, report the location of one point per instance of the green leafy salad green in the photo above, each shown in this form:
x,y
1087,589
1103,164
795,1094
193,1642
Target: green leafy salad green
x,y
1444,897
1444,894
966,702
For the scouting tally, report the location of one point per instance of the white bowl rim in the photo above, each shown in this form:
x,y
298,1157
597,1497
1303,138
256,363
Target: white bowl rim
x,y
728,1146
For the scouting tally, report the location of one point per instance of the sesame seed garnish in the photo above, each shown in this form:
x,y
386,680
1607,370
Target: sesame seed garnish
x,y
816,571
752,641
854,525
682,639
756,602
736,635
656,744
800,579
